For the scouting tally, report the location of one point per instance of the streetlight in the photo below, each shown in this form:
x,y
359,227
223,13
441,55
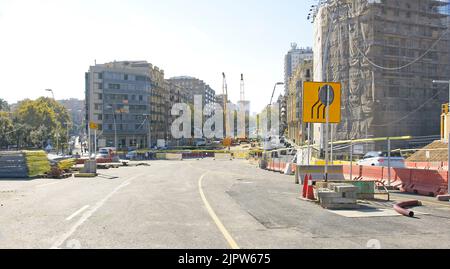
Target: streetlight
x,y
149,139
115,125
273,93
448,139
263,163
50,90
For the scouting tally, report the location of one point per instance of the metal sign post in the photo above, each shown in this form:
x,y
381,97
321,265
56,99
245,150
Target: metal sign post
x,y
322,104
351,160
389,161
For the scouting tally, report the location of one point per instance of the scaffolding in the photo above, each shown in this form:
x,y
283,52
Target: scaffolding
x,y
386,55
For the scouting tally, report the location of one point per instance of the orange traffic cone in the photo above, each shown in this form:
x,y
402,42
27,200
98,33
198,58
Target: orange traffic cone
x,y
305,186
310,191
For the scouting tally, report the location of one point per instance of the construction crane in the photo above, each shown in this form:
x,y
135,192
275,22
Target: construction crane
x,y
242,88
228,141
242,136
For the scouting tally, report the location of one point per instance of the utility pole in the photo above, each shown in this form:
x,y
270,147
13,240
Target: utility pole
x,y
448,139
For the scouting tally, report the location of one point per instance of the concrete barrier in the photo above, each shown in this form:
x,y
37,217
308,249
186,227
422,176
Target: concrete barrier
x,y
174,157
223,156
420,181
241,155
335,172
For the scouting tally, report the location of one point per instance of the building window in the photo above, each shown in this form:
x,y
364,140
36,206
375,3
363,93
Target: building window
x,y
112,86
100,96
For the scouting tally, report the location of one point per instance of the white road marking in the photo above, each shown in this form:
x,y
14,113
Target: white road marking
x,y
216,219
89,213
77,212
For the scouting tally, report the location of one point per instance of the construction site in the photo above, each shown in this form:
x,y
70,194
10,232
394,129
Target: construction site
x,y
386,54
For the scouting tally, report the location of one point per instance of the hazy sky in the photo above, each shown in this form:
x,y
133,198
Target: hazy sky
x,y
50,44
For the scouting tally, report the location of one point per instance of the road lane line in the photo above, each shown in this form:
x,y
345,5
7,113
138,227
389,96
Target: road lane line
x,y
216,219
77,212
89,213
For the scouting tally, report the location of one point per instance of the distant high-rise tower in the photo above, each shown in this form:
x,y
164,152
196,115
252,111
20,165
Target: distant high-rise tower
x,y
293,58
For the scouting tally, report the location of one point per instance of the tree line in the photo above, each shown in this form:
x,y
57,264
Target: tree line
x,y
34,124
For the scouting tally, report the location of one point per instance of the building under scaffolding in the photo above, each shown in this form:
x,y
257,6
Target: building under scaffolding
x,y
386,53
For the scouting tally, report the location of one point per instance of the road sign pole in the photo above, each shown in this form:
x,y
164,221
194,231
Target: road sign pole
x,y
89,141
327,112
331,146
95,142
351,159
309,143
389,161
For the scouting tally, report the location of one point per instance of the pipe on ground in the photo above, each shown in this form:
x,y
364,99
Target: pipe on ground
x,y
401,207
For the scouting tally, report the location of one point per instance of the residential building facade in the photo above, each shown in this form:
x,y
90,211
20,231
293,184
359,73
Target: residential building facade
x,y
197,87
297,130
125,99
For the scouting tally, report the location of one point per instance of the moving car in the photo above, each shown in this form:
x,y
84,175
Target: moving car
x,y
378,158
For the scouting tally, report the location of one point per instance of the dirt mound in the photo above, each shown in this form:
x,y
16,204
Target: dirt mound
x,y
438,152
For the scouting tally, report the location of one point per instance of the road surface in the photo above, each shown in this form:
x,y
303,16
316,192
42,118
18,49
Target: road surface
x,y
196,204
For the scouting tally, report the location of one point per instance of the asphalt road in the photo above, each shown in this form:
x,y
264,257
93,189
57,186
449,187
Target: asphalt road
x,y
196,204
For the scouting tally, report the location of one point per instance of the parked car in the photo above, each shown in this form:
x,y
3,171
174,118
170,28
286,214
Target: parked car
x,y
200,142
106,153
378,158
132,155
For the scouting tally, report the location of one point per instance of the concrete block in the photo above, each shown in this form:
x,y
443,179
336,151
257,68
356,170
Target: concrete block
x,y
324,193
338,200
346,188
333,186
366,196
340,206
90,167
322,185
352,195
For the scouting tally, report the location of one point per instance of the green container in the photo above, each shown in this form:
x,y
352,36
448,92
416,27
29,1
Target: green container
x,y
366,189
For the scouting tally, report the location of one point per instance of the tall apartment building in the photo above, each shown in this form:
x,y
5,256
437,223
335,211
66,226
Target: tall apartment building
x,y
292,59
125,99
386,54
197,87
297,130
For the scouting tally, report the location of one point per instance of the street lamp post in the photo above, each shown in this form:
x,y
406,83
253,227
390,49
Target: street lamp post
x,y
263,163
115,126
53,94
448,139
149,139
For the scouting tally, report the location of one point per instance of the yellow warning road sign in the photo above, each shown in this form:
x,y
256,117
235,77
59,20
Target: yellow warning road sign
x,y
317,96
93,125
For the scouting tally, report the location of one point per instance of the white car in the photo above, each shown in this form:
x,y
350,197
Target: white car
x,y
378,158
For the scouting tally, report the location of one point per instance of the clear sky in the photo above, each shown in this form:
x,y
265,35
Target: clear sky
x,y
51,43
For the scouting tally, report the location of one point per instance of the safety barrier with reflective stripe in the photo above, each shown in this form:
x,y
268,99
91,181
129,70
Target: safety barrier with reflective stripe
x,y
419,181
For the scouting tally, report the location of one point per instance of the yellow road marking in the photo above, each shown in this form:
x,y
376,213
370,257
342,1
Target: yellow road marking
x,y
216,219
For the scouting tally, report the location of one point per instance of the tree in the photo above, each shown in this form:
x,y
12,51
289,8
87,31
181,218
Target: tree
x,y
4,106
42,120
6,129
